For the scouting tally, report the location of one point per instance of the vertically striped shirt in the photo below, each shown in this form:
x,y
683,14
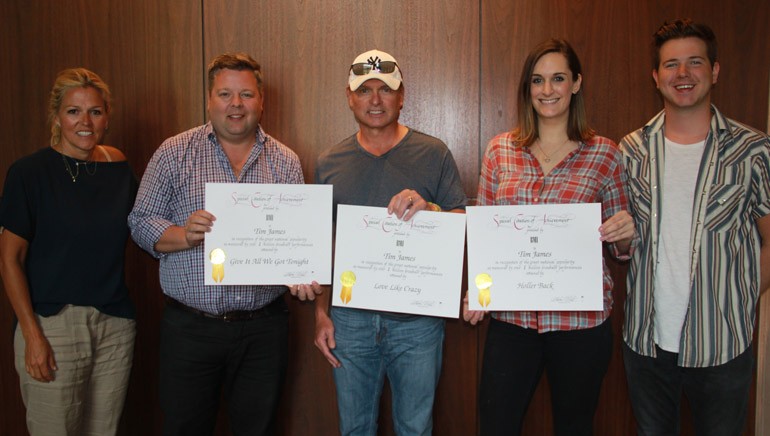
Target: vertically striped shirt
x,y
593,173
173,187
732,191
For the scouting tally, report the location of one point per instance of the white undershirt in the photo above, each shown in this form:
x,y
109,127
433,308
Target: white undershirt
x,y
672,278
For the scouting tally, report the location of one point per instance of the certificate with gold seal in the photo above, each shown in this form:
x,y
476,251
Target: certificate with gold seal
x,y
535,257
268,234
383,263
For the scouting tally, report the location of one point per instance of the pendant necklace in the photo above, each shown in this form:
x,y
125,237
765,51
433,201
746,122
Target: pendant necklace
x,y
74,174
548,157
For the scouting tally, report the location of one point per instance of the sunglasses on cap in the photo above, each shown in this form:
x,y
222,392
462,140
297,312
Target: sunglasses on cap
x,y
364,68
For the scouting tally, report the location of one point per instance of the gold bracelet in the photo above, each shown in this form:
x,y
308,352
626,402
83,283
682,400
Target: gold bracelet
x,y
434,207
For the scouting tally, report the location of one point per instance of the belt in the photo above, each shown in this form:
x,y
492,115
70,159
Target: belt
x,y
232,316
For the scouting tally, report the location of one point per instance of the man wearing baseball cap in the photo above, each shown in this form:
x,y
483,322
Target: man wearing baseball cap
x,y
384,164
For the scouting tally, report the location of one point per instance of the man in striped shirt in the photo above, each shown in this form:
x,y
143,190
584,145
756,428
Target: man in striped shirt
x,y
699,191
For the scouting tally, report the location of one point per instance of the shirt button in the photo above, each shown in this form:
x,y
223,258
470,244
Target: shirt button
x,y
537,199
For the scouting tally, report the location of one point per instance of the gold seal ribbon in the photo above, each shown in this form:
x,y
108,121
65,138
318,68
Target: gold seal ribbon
x,y
484,285
348,279
217,257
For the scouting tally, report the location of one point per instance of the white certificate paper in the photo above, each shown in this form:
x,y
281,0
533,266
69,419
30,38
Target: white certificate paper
x,y
268,234
536,257
383,263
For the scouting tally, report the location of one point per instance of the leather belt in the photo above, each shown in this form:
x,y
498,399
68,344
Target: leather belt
x,y
232,316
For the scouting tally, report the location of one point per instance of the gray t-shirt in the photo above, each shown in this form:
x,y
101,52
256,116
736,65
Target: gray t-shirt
x,y
419,162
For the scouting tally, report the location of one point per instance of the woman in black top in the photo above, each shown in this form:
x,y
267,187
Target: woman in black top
x,y
62,246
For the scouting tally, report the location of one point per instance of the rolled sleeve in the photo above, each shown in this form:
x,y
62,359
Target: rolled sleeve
x,y
615,199
761,180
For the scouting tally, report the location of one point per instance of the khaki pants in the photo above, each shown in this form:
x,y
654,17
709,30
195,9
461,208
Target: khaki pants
x,y
93,353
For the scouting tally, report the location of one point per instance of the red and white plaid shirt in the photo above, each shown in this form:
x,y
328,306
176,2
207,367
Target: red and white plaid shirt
x,y
592,173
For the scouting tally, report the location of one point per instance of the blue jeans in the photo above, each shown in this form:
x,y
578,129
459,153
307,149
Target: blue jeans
x,y
371,345
718,395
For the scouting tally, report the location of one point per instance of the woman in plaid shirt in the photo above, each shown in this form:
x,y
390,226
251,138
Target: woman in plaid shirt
x,y
552,156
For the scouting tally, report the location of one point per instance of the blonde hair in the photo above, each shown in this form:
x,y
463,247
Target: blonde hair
x,y
69,79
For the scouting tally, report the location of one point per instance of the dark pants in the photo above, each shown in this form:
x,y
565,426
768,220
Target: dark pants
x,y
718,395
514,360
201,359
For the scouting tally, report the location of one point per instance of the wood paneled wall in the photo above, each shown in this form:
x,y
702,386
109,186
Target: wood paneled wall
x,y
762,421
461,62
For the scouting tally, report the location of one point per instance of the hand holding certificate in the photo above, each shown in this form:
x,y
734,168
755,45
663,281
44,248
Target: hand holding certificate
x,y
536,257
268,234
383,263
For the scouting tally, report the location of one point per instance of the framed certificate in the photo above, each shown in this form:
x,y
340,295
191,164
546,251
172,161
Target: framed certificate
x,y
536,257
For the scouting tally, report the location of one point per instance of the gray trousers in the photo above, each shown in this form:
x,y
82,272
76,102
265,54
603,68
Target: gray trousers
x,y
93,353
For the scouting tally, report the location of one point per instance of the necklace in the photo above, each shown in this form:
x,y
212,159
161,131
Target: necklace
x,y
74,174
547,156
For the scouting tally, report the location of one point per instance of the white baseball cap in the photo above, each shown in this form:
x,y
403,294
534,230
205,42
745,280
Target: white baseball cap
x,y
374,64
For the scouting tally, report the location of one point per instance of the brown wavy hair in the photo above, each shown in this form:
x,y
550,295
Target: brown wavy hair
x,y
526,131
